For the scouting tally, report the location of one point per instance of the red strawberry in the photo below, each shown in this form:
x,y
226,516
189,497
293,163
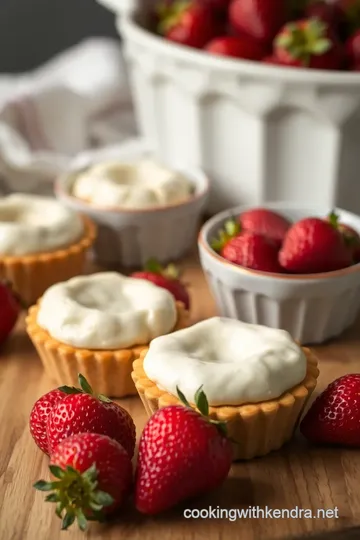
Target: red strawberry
x,y
246,248
328,12
93,475
83,412
353,49
9,310
182,454
259,19
272,59
238,47
39,416
187,23
217,6
334,417
310,42
311,246
351,13
350,236
167,278
265,222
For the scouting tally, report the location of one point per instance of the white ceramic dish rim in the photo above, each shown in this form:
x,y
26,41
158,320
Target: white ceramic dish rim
x,y
198,178
127,24
221,217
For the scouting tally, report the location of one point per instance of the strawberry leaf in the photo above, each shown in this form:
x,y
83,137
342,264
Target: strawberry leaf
x,y
81,520
171,272
56,471
103,398
333,219
84,385
201,402
42,485
153,266
67,521
321,46
70,390
102,498
232,227
182,397
52,497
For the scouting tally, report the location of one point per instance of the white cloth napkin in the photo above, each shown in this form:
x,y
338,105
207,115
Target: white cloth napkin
x,y
78,104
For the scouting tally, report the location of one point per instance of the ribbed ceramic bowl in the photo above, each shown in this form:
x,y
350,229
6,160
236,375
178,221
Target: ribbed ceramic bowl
x,y
249,125
131,237
312,308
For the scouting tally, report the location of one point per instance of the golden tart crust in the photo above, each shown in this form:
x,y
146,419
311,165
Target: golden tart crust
x,y
108,372
256,428
31,275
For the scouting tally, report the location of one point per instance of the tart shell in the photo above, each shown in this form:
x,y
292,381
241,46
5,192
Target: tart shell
x,y
31,275
256,429
108,372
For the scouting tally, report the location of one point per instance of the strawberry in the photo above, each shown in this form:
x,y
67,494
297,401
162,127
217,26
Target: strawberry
x,y
311,246
350,236
10,307
93,475
182,454
352,47
259,19
246,248
310,42
39,416
273,60
351,13
238,47
167,278
334,417
218,6
187,23
266,223
81,411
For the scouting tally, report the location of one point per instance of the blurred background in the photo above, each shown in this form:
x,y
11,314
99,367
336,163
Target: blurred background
x,y
32,31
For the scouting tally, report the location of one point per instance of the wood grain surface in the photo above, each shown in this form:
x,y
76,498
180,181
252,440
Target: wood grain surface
x,y
298,476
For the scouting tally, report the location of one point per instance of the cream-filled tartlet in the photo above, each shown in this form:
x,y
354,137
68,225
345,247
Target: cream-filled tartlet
x,y
256,379
142,184
98,325
41,242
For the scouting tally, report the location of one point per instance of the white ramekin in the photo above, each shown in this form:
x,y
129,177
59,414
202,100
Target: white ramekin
x,y
130,237
260,132
312,308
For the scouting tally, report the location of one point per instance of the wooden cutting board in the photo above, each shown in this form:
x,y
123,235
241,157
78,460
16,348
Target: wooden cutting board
x,y
297,477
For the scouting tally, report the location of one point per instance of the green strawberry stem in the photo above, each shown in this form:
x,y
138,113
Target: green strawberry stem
x,y
76,495
305,41
333,219
85,388
170,13
171,271
202,406
232,228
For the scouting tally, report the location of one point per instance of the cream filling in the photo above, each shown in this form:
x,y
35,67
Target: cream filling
x,y
106,311
32,224
137,185
235,362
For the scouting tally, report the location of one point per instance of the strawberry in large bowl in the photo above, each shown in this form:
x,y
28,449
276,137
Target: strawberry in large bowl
x,y
285,266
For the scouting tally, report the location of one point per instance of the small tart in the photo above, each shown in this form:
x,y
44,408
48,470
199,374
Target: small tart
x,y
256,428
31,275
108,372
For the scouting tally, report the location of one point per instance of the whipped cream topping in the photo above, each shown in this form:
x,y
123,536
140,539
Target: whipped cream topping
x,y
32,224
106,311
131,185
235,362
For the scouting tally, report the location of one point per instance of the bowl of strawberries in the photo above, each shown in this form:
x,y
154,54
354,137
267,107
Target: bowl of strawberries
x,y
285,266
262,95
